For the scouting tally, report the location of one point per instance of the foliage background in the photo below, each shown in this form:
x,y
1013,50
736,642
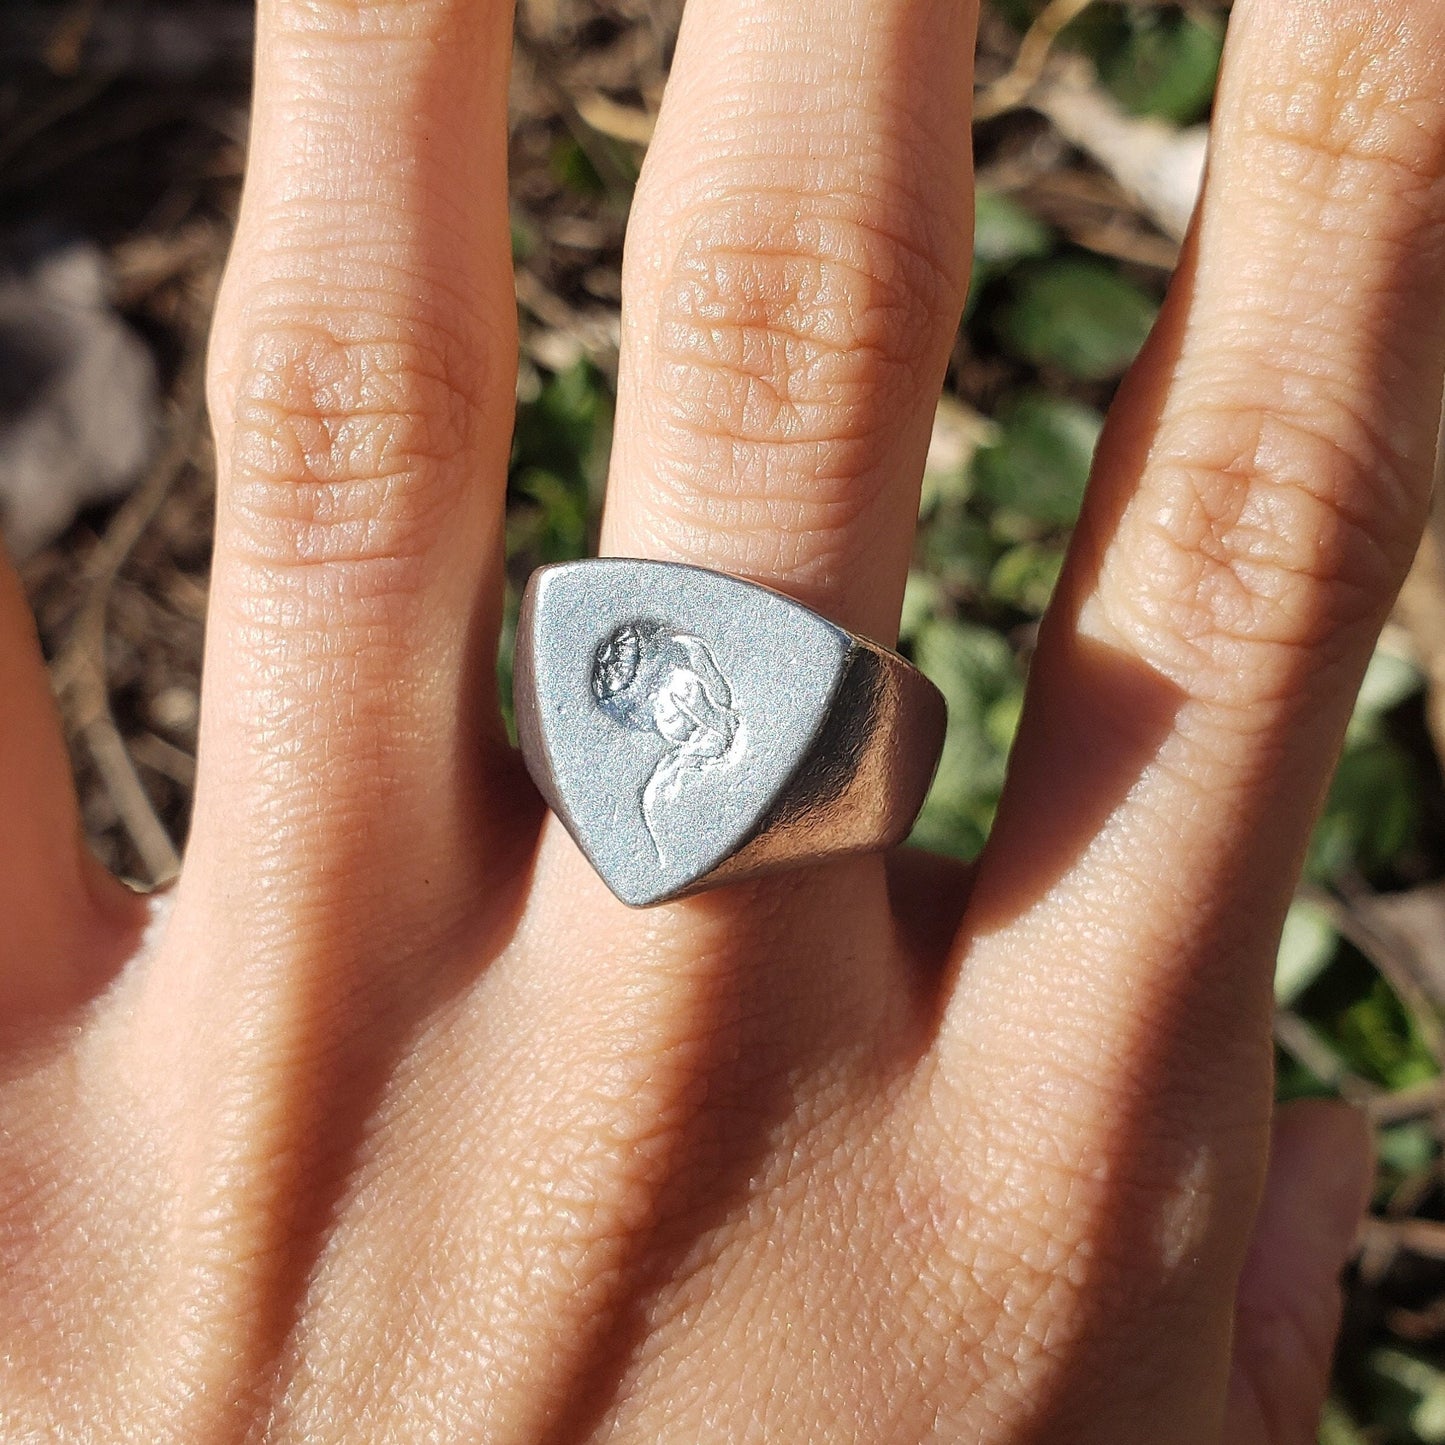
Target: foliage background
x,y
123,121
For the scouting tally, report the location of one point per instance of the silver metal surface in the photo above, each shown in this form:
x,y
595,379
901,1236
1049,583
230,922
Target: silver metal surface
x,y
691,729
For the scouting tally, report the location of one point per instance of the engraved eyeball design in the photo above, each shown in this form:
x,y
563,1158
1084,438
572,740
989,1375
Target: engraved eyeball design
x,y
620,683
650,679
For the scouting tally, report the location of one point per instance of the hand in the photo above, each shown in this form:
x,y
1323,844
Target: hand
x,y
391,1125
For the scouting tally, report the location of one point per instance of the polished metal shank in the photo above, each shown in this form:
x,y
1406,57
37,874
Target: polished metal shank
x,y
690,728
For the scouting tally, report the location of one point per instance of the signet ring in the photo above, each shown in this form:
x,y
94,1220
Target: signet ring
x,y
690,728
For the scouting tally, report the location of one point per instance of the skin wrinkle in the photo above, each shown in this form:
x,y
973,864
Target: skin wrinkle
x,y
746,341
363,294
1370,133
813,563
778,333
313,231
842,319
295,375
916,127
555,1089
328,445
394,21
1303,341
867,239
1209,594
1318,435
764,505
1304,363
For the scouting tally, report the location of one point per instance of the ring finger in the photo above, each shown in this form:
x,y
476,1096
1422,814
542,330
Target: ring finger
x,y
796,264
797,261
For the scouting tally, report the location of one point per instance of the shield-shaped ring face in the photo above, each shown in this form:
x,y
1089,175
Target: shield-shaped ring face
x,y
690,728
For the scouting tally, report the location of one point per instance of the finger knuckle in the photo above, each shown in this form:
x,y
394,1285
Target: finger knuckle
x,y
343,444
788,341
1354,95
1272,539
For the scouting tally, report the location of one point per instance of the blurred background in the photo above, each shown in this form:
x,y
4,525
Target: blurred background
x,y
122,144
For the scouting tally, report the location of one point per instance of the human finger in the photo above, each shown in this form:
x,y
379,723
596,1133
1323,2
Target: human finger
x,y
1256,501
796,265
1255,504
1321,1170
362,384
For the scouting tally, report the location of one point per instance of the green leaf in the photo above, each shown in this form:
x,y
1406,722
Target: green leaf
x,y
1423,1382
1074,313
1373,808
1405,1149
524,238
506,649
1001,722
1025,577
1004,233
972,666
1306,947
1019,13
1378,1038
1389,680
978,674
1167,65
555,530
958,432
559,453
1371,813
959,549
1040,461
572,167
922,595
1156,60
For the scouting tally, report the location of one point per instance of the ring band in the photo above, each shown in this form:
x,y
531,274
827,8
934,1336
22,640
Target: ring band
x,y
691,729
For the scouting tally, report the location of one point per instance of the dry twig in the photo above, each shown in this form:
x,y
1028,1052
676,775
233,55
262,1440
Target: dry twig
x,y
80,674
1419,1236
1391,955
1011,90
1314,1052
622,122
1423,1101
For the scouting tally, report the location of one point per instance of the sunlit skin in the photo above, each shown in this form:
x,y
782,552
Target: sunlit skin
x,y
390,1124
